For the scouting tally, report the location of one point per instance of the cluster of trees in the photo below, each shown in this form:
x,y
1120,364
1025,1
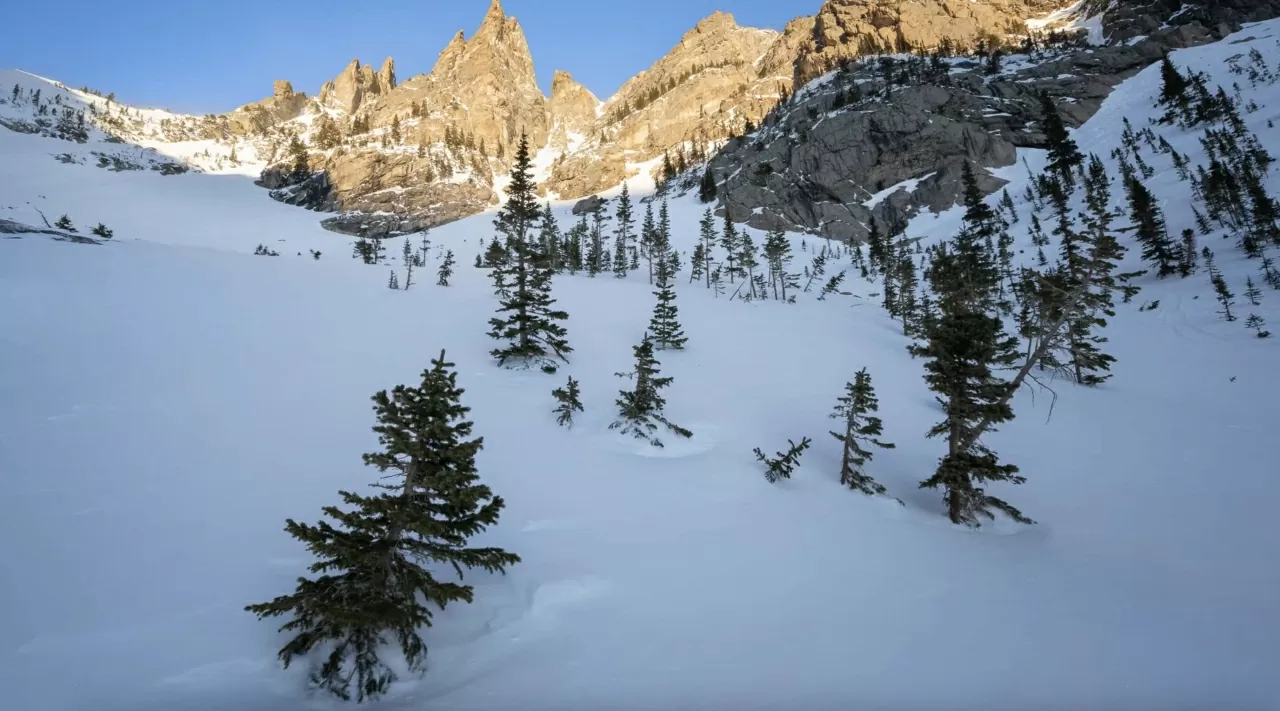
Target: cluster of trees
x,y
656,91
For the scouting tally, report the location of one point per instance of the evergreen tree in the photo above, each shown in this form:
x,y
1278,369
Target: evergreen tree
x,y
64,223
707,189
1064,156
729,243
1187,253
832,286
1256,322
102,231
963,347
783,464
697,262
648,236
446,269
747,262
1225,297
1252,293
777,253
852,409
665,326
707,239
596,251
496,255
395,130
622,233
876,251
527,321
298,161
371,582
1174,91
393,282
569,399
640,409
549,241
1157,249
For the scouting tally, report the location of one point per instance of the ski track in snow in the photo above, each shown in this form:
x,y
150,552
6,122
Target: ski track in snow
x,y
168,399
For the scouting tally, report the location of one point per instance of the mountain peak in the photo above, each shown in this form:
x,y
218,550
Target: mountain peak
x,y
494,18
716,20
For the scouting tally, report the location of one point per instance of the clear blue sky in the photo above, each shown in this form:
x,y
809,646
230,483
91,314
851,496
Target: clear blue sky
x,y
210,57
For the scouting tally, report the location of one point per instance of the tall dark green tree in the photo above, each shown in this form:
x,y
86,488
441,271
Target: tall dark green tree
x,y
298,161
964,347
665,324
1157,248
729,242
640,408
853,410
371,584
707,189
527,321
707,237
1064,155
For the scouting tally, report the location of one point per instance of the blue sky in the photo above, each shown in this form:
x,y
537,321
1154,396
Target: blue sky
x,y
203,57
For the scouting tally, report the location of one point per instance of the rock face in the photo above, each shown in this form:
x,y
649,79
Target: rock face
x,y
828,161
357,84
574,111
708,86
283,105
849,28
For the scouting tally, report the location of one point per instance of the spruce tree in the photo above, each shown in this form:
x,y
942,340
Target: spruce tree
x,y
876,251
64,223
777,253
852,409
1174,94
1064,156
1225,297
446,269
371,583
1252,292
964,346
782,464
623,235
569,399
1256,322
640,409
549,248
648,236
729,243
707,238
527,321
707,189
102,231
1157,248
298,162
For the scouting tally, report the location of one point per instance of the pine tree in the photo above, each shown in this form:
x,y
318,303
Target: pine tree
x,y
527,321
102,231
648,235
299,164
707,189
622,233
665,326
964,346
569,399
1252,292
1187,253
549,241
64,223
1225,297
596,250
496,255
1064,156
777,253
747,263
393,282
446,269
832,286
851,409
707,237
876,251
640,409
1174,91
395,130
1157,249
1256,322
697,262
371,582
407,256
729,243
783,464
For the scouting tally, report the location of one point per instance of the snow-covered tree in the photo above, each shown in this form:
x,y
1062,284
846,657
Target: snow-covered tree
x,y
640,408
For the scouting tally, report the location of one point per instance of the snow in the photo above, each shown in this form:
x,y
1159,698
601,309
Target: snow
x,y
909,185
168,399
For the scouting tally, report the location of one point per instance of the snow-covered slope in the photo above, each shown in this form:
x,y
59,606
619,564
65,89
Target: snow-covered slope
x,y
167,400
120,137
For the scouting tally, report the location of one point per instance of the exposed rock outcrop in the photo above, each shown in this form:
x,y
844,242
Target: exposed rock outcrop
x,y
823,164
357,84
845,29
574,111
284,104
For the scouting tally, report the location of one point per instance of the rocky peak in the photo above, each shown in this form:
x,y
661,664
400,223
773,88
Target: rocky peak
x,y
387,75
356,84
281,89
573,110
849,28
